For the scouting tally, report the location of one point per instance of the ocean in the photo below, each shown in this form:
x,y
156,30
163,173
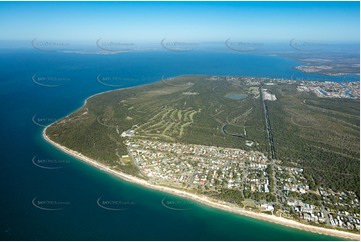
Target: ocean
x,y
37,88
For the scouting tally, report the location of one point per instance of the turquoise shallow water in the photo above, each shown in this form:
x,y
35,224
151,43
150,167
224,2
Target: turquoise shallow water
x,y
76,189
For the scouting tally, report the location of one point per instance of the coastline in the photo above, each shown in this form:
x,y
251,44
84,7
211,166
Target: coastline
x,y
202,199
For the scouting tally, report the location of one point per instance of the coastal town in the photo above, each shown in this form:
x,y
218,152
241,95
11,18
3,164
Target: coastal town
x,y
331,89
323,89
207,169
329,69
253,180
222,142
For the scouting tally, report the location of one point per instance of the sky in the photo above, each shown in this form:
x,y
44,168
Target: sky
x,y
184,21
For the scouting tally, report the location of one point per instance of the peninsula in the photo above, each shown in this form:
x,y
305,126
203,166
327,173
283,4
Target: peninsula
x,y
273,149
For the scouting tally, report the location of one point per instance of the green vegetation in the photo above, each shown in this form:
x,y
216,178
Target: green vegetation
x,y
311,198
231,196
168,124
270,172
258,196
187,109
319,135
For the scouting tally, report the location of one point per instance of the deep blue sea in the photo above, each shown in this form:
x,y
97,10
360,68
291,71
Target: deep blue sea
x,y
37,88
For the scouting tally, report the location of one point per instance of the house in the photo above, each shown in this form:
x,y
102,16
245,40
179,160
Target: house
x,y
128,133
267,207
307,208
266,190
307,216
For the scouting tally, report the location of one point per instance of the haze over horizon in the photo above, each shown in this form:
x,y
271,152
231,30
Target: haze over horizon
x,y
180,21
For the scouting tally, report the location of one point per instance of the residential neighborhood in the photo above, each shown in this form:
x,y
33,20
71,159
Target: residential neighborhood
x,y
208,168
331,89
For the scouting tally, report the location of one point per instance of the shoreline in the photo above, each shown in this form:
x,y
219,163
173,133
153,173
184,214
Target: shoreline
x,y
94,95
203,199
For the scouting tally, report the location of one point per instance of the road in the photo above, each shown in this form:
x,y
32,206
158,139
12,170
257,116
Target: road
x,y
267,124
268,129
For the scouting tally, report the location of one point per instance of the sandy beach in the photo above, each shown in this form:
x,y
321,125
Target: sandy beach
x,y
203,199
